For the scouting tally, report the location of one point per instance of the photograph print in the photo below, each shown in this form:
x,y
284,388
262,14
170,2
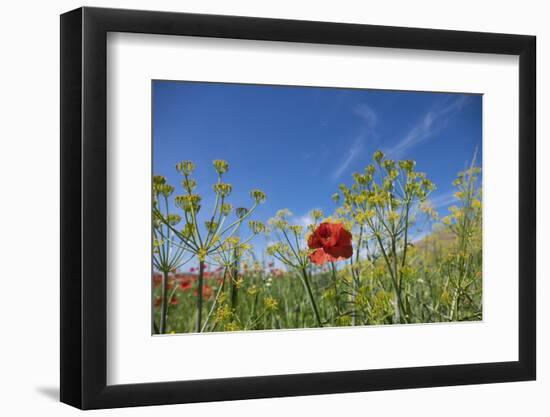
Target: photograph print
x,y
292,207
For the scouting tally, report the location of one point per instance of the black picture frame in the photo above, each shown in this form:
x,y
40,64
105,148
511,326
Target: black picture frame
x,y
84,207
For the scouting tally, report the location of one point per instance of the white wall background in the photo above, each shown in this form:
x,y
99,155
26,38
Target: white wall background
x,y
29,175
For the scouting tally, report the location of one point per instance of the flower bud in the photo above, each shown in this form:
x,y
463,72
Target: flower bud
x,y
369,170
222,189
166,190
159,180
211,226
389,165
241,212
189,184
256,227
258,196
188,230
378,156
189,202
185,167
407,165
221,166
316,214
226,209
297,230
173,219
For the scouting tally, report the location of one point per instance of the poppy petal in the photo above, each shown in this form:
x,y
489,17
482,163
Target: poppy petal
x,y
320,257
340,252
344,239
313,241
329,233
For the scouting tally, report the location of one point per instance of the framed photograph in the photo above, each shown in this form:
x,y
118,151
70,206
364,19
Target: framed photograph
x,y
259,208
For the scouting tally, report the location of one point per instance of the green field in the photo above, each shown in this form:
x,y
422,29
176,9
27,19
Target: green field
x,y
363,264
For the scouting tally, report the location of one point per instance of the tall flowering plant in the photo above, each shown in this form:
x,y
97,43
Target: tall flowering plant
x,y
166,258
206,239
326,243
383,200
228,257
465,223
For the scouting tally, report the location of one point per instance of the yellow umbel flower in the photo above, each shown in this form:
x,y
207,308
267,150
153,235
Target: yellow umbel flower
x,y
393,216
223,313
271,304
232,327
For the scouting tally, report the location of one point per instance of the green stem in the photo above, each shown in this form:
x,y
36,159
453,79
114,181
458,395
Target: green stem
x,y
400,308
215,303
199,295
164,303
234,276
334,282
311,299
394,278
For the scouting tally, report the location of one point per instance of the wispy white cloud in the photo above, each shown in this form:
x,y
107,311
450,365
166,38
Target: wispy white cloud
x,y
431,123
366,112
443,200
369,119
304,220
352,153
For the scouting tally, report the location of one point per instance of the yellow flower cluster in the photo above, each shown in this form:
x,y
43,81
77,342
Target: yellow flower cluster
x,y
232,327
223,313
271,304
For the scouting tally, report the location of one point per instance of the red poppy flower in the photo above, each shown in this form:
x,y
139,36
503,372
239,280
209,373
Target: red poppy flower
x,y
206,291
174,300
157,279
158,301
185,284
332,243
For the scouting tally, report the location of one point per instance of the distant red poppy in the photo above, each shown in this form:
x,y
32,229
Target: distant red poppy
x,y
182,276
185,284
158,301
174,300
206,292
157,279
332,243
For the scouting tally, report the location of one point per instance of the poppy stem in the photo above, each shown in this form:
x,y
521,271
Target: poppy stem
x,y
334,282
311,299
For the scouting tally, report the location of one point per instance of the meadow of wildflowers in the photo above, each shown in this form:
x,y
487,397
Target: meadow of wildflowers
x,y
355,266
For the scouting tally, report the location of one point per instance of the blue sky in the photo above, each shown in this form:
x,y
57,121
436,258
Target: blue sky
x,y
297,144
